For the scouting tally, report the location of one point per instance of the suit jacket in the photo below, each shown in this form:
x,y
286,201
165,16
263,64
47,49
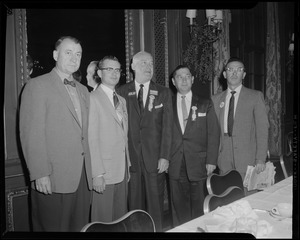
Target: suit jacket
x,y
200,142
108,137
150,133
54,144
250,129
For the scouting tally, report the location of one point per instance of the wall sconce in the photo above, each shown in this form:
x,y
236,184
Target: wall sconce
x,y
191,13
212,26
199,53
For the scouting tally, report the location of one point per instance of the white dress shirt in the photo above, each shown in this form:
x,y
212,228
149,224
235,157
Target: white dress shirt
x,y
145,90
188,102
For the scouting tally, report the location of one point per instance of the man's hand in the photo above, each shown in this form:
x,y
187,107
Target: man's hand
x,y
43,185
163,165
210,168
260,167
99,184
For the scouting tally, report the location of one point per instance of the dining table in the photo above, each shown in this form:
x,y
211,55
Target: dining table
x,y
261,203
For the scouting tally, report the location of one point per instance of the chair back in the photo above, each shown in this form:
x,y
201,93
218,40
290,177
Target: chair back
x,y
133,221
217,184
212,201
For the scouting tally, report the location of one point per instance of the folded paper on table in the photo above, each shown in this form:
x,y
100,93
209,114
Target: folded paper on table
x,y
265,179
238,217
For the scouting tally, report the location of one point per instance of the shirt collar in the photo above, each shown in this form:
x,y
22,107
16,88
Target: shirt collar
x,y
188,96
63,75
137,85
237,90
106,89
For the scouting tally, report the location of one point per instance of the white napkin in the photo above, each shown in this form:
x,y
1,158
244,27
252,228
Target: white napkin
x,y
238,217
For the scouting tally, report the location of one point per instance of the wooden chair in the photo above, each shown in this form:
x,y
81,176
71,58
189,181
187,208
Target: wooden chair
x,y
133,221
217,184
212,201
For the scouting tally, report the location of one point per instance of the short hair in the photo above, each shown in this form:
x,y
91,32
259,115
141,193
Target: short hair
x,y
177,68
108,57
59,41
95,75
137,55
235,59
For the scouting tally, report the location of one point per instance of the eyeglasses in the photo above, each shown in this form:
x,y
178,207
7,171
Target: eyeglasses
x,y
109,69
239,69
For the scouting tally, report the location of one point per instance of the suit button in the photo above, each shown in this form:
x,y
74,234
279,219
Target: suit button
x,y
82,153
82,138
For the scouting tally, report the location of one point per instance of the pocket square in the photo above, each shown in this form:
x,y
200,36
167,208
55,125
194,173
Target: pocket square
x,y
158,106
201,114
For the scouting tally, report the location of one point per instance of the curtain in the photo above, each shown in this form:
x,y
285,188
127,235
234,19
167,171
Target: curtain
x,y
15,77
221,53
273,78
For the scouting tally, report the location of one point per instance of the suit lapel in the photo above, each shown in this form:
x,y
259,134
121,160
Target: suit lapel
x,y
83,105
133,97
222,109
189,121
177,123
58,84
104,98
240,107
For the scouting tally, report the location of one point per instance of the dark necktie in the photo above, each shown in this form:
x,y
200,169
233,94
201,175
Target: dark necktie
x,y
140,98
116,100
230,114
67,82
184,111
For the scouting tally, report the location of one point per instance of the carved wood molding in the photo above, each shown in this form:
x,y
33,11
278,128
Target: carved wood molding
x,y
129,41
10,209
21,46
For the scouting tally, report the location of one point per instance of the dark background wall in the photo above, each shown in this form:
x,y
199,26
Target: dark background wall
x,y
101,32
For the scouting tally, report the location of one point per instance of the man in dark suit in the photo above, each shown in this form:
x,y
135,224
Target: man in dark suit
x,y
53,132
195,145
150,118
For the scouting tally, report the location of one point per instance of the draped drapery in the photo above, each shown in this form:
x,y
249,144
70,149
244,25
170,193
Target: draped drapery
x,y
221,53
273,79
15,76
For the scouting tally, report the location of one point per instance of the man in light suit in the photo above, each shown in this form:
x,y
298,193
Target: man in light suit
x,y
195,144
246,142
108,127
150,117
54,137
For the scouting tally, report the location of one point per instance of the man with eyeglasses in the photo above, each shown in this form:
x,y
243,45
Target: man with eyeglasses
x,y
150,117
108,129
244,123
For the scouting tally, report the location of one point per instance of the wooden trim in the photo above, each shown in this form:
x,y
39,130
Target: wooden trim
x,y
10,209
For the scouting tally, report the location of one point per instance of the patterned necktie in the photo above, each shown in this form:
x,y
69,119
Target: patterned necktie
x,y
116,100
140,98
184,111
71,83
230,114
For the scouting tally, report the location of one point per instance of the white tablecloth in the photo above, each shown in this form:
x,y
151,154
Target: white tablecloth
x,y
263,200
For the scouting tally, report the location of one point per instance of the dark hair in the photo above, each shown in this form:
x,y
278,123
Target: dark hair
x,y
235,59
177,68
109,57
59,41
